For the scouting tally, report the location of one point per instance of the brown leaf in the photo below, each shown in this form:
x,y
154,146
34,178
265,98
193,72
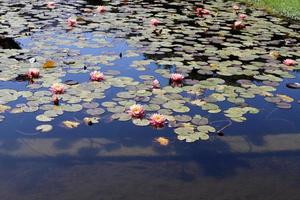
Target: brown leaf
x,y
162,141
49,64
70,124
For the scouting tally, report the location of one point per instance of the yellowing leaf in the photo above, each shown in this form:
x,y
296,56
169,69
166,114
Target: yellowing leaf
x,y
285,98
49,64
266,94
162,141
214,66
188,125
3,108
198,102
91,120
275,54
70,124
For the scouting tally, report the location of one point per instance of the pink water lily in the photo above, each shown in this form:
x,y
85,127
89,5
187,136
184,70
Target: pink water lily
x,y
101,9
51,4
154,22
238,25
72,22
243,16
205,12
235,7
57,88
177,78
155,84
96,76
33,73
55,100
157,120
136,111
202,11
289,62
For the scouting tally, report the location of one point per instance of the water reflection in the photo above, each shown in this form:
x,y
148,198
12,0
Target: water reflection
x,y
258,177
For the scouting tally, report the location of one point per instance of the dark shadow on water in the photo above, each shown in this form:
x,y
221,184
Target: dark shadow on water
x,y
184,175
88,152
8,43
212,165
95,2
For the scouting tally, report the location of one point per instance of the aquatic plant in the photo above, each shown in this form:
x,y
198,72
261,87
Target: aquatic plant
x,y
57,88
155,84
51,5
235,7
137,111
101,9
177,78
72,22
201,12
243,16
157,120
238,25
33,73
289,62
55,100
154,22
217,64
162,141
96,76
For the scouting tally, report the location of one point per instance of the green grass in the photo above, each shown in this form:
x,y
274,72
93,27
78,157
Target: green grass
x,y
288,8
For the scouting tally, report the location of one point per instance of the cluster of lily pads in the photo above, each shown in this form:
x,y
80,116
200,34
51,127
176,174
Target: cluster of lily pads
x,y
212,52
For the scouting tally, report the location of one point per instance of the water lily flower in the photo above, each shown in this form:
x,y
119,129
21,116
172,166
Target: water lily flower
x,y
202,11
238,25
243,16
289,62
137,111
51,4
154,22
157,120
96,76
205,12
72,22
235,7
33,73
57,88
101,9
177,78
55,100
155,84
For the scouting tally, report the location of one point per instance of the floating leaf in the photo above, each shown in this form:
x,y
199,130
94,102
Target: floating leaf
x,y
49,64
43,118
70,124
95,111
3,108
141,122
162,141
91,120
44,128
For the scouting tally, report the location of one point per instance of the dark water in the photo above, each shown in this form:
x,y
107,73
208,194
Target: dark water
x,y
256,159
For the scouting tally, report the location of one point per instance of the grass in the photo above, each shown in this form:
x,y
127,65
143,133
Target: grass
x,y
287,8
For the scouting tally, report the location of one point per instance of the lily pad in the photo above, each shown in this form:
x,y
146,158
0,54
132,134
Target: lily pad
x,y
44,128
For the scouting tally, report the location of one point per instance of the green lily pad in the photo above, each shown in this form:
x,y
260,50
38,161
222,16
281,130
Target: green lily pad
x,y
44,128
141,122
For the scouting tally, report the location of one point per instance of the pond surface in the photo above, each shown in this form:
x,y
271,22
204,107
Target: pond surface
x,y
232,125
